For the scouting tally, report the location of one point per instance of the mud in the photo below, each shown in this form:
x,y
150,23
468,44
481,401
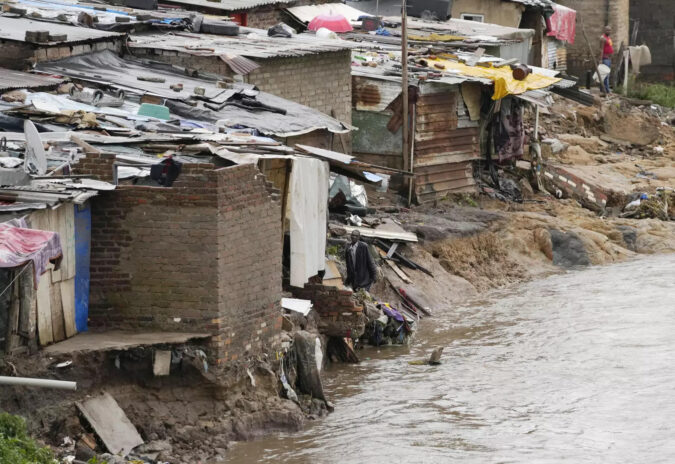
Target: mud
x,y
194,415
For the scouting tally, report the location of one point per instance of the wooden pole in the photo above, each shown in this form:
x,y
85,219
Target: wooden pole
x,y
404,92
595,61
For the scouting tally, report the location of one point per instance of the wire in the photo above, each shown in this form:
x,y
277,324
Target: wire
x,y
25,266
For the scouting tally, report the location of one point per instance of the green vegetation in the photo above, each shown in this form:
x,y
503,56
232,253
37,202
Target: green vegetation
x,y
333,250
661,94
17,447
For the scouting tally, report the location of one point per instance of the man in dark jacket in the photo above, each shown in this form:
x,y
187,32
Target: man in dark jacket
x,y
361,270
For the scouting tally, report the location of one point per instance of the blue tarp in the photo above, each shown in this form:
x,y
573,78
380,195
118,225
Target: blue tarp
x,y
82,257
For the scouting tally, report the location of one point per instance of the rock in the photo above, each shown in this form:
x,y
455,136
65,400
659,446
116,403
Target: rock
x,y
542,238
435,357
83,452
568,249
336,230
629,236
590,144
630,127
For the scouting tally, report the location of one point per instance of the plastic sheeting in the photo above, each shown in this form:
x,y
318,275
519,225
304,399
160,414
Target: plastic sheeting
x,y
502,77
19,245
308,204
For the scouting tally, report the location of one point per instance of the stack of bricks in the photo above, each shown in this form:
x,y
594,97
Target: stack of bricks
x,y
340,315
595,14
203,255
97,165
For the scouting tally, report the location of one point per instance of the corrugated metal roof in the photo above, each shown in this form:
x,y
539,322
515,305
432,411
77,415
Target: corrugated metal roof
x,y
15,29
224,5
10,79
258,46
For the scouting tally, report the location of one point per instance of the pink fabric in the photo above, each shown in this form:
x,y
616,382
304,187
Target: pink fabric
x,y
335,23
18,245
562,24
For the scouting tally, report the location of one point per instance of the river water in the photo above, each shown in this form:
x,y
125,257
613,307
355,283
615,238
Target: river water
x,y
578,367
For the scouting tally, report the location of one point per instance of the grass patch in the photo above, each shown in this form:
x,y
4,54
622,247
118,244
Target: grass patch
x,y
17,447
661,94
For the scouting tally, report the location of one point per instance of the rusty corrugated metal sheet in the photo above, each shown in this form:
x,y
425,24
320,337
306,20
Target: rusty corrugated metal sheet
x,y
10,80
373,94
444,153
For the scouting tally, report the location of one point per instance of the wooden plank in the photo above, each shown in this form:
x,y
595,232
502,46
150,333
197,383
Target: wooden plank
x,y
111,424
434,117
58,329
44,312
12,339
383,234
68,304
394,267
448,142
437,109
444,125
68,240
438,98
430,155
443,186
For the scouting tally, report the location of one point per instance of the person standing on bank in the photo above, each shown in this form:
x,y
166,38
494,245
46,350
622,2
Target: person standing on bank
x,y
361,270
607,47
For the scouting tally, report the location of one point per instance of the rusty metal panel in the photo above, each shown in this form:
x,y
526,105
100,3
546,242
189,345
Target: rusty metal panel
x,y
373,94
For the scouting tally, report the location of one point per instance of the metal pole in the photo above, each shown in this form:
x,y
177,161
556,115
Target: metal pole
x,y
377,9
46,383
411,180
404,86
536,122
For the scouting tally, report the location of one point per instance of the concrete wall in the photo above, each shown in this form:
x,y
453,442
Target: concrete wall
x,y
495,11
321,81
595,14
657,31
201,256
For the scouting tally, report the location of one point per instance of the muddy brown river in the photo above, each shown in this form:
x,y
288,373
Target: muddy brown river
x,y
576,368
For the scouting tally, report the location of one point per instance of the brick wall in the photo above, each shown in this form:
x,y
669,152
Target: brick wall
x,y
321,81
656,30
98,166
20,55
201,256
249,262
595,15
340,315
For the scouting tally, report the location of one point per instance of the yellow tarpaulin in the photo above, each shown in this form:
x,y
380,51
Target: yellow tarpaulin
x,y
505,84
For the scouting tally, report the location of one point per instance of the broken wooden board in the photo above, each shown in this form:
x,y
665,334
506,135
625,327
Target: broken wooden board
x,y
56,307
394,267
68,304
332,277
400,236
44,311
111,424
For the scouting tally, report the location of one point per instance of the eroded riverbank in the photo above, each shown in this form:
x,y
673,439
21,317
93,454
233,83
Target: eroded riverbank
x,y
574,367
